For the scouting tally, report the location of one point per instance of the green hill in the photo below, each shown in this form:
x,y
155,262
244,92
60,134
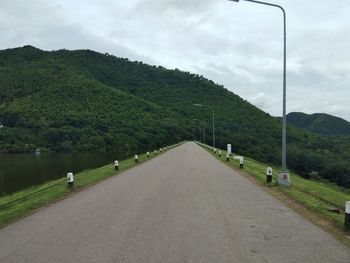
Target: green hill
x,y
320,123
83,100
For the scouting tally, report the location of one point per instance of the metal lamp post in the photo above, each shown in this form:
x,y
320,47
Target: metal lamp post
x,y
200,127
283,177
201,105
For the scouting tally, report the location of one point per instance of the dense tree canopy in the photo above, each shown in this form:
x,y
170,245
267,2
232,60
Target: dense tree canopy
x,y
320,123
83,100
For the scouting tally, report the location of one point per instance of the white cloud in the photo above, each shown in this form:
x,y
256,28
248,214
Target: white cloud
x,y
260,100
235,44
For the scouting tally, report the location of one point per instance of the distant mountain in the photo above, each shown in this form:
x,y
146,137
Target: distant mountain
x,y
320,123
83,100
86,101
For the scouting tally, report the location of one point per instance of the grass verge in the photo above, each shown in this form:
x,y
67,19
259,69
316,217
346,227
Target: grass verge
x,y
310,198
22,203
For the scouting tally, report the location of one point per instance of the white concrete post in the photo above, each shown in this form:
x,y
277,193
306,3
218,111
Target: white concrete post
x,y
241,162
70,179
268,175
347,214
229,149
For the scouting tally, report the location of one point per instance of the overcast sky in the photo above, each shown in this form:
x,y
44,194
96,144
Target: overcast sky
x,y
238,45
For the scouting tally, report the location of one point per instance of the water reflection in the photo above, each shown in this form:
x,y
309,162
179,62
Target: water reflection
x,y
20,171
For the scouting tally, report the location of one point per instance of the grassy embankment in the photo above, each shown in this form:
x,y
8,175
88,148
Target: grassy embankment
x,y
38,196
314,197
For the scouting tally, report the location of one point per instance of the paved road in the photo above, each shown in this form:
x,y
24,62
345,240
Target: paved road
x,y
184,206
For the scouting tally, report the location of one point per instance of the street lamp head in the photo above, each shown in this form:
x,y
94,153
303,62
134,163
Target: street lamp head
x,y
198,105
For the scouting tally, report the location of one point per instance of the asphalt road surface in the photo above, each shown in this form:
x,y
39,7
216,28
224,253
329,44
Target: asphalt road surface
x,y
184,206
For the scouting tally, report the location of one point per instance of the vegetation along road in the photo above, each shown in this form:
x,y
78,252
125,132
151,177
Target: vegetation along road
x,y
183,206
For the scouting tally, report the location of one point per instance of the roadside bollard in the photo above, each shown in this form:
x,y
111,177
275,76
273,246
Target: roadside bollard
x,y
241,163
229,149
268,175
155,152
70,180
219,153
148,154
136,158
116,165
227,157
347,214
215,150
160,150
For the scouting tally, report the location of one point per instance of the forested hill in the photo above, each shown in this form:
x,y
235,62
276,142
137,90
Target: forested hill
x,y
320,123
83,100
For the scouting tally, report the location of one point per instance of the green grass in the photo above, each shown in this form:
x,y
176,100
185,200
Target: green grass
x,y
57,189
309,193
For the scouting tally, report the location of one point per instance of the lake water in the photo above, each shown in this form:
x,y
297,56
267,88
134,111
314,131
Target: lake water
x,y
20,171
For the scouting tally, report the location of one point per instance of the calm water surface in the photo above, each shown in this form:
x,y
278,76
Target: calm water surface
x,y
20,171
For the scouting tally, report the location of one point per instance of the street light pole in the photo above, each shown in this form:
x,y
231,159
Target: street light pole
x,y
200,127
283,177
213,128
201,105
203,123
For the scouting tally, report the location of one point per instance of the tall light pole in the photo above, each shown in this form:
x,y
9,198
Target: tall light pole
x,y
201,105
200,130
283,177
